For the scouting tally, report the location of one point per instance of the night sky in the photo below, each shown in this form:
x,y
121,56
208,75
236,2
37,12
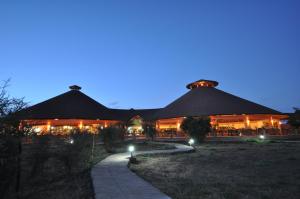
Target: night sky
x,y
141,54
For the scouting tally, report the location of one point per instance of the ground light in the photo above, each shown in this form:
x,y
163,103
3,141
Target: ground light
x,y
71,141
132,159
191,141
131,150
262,137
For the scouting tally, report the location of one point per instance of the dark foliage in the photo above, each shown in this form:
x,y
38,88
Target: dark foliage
x,y
41,153
294,119
196,128
10,141
149,130
111,135
9,164
9,106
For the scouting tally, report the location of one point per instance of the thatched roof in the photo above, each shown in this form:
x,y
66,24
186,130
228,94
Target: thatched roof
x,y
76,105
70,105
202,100
205,101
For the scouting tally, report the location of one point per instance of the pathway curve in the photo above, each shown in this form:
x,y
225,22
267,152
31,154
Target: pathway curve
x,y
112,179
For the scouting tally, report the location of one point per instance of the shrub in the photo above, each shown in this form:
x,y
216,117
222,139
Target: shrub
x,y
41,153
294,120
110,136
77,150
9,110
10,149
196,128
149,130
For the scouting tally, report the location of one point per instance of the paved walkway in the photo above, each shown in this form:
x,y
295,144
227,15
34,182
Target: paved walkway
x,y
113,180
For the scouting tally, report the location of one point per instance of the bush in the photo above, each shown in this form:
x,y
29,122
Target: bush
x,y
10,149
110,136
196,128
41,153
9,110
294,120
78,150
149,130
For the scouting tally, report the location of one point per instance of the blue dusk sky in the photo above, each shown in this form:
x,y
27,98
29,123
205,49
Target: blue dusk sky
x,y
142,53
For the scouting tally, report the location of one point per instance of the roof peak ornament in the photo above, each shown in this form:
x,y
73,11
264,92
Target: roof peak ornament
x,y
202,83
75,87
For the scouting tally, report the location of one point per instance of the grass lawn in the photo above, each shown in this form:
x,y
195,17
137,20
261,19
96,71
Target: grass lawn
x,y
231,171
143,146
55,169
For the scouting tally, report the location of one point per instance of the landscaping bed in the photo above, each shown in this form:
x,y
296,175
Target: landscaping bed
x,y
51,167
57,168
234,170
143,146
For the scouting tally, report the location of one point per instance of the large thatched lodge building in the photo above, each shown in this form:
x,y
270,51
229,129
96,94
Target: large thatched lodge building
x,y
230,115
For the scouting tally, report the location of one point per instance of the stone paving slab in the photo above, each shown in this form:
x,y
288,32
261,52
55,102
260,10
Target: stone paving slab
x,y
112,179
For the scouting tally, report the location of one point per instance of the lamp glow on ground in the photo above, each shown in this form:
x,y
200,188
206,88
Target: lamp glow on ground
x,y
71,141
191,141
262,137
131,150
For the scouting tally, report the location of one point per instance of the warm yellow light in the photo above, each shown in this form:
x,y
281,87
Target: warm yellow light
x,y
48,126
272,121
80,125
247,121
178,126
37,129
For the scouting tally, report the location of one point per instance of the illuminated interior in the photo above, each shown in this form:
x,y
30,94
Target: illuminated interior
x,y
246,121
221,123
134,127
65,126
202,83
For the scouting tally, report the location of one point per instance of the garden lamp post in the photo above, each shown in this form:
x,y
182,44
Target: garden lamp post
x,y
262,137
131,150
191,141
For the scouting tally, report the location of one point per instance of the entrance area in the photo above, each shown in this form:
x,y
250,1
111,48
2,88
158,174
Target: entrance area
x,y
135,127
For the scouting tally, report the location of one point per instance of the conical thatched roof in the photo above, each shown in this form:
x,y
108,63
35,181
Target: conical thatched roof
x,y
70,105
76,105
207,100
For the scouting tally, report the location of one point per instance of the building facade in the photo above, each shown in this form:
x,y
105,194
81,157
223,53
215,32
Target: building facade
x,y
230,115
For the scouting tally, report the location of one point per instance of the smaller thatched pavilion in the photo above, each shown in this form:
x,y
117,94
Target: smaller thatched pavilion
x,y
229,114
74,109
69,110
